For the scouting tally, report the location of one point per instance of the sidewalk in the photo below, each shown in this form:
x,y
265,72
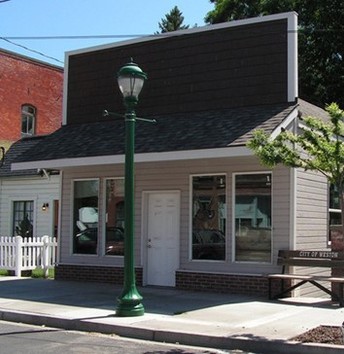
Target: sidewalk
x,y
224,321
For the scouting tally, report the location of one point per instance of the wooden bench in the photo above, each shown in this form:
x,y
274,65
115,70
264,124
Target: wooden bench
x,y
324,259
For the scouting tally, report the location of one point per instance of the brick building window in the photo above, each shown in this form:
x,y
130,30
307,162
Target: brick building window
x,y
28,120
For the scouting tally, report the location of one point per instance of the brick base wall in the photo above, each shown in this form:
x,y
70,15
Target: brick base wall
x,y
225,283
114,275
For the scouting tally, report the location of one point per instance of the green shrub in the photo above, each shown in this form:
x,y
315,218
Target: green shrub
x,y
39,273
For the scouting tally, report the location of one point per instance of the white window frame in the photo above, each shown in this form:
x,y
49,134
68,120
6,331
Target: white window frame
x,y
71,229
11,207
28,115
191,212
233,216
104,218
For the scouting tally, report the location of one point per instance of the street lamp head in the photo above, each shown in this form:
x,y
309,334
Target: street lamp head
x,y
130,80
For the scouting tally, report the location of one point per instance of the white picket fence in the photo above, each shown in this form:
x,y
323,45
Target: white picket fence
x,y
18,254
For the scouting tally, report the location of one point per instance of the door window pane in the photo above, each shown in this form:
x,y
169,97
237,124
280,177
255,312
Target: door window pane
x,y
114,238
209,217
253,217
85,217
23,218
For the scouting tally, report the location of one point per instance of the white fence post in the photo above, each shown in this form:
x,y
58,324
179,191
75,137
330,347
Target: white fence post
x,y
18,255
46,255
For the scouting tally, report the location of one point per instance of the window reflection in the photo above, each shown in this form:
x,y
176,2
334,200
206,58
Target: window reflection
x,y
114,238
85,217
209,217
253,217
335,218
23,218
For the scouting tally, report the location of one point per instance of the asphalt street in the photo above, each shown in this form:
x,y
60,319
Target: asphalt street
x,y
28,339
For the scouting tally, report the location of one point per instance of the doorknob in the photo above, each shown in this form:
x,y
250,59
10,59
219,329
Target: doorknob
x,y
149,243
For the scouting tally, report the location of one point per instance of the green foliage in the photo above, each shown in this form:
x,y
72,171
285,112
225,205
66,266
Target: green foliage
x,y
24,229
319,147
3,272
173,21
39,273
321,40
228,10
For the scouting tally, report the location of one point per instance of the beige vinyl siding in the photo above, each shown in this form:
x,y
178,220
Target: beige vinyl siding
x,y
175,176
40,190
312,210
311,224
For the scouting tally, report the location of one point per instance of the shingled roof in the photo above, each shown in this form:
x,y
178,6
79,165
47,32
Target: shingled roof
x,y
16,151
177,132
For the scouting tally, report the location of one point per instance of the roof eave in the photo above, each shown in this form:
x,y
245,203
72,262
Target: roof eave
x,y
232,151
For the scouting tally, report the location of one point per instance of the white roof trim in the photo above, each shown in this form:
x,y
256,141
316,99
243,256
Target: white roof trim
x,y
65,90
292,58
292,116
146,157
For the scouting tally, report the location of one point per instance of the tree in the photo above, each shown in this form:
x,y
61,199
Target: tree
x,y
24,228
321,41
319,147
173,21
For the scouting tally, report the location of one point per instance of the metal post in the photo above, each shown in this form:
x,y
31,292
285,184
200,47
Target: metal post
x,y
130,299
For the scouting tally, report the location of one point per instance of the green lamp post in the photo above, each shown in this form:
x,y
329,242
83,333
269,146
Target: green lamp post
x,y
130,81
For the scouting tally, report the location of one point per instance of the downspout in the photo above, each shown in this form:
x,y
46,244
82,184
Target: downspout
x,y
60,219
293,198
0,205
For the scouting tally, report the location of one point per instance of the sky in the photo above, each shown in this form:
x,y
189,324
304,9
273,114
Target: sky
x,y
56,18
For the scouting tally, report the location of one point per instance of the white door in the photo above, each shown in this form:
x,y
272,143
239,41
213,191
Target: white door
x,y
162,237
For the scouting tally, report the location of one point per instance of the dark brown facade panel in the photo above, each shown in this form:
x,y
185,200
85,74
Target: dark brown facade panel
x,y
214,97
203,42
175,55
173,48
186,73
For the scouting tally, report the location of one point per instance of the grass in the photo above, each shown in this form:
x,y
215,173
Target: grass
x,y
39,273
36,273
3,272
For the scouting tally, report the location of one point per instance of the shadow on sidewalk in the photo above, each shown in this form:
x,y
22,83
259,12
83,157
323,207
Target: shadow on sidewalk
x,y
168,301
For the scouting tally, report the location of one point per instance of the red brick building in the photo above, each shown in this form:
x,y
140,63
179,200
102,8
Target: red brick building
x,y
30,97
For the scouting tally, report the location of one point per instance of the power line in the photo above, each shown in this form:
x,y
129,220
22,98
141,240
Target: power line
x,y
31,50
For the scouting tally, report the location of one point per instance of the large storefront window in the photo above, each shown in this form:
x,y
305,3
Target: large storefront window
x,y
209,217
114,238
85,217
252,215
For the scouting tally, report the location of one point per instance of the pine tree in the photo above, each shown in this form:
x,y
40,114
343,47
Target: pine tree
x,y
173,21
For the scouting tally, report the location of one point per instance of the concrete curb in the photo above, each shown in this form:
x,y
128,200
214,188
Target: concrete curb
x,y
217,342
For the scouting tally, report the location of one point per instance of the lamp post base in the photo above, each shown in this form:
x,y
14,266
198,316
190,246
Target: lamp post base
x,y
130,304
